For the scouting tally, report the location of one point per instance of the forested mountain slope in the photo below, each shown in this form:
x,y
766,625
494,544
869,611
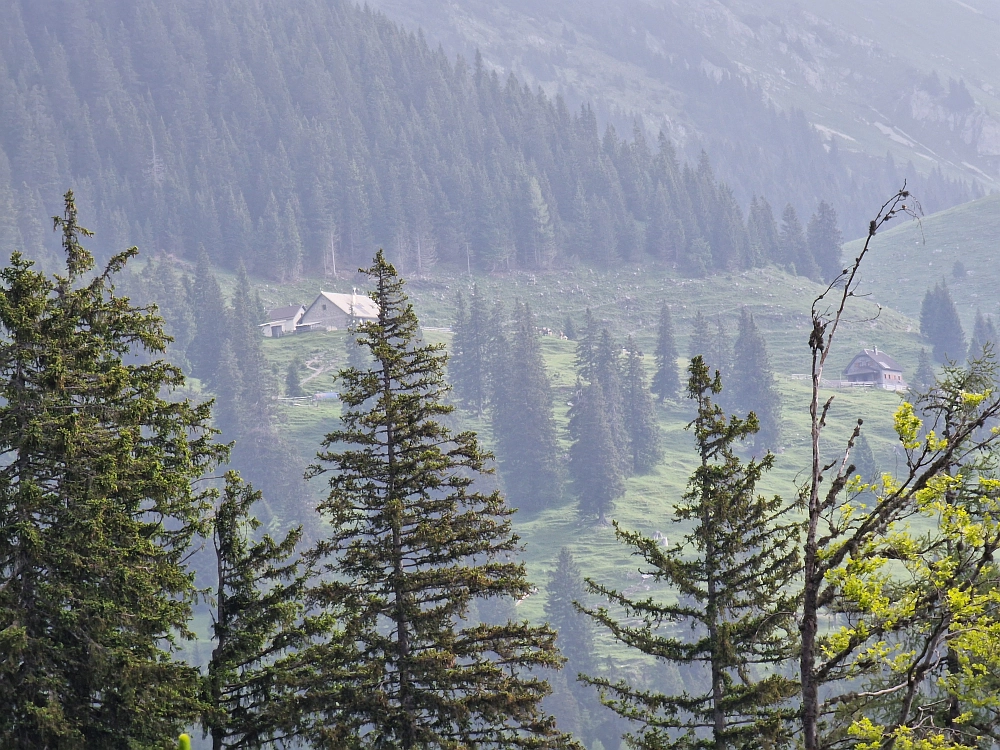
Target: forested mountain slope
x,y
295,138
749,79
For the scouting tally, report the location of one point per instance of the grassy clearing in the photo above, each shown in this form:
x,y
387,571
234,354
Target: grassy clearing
x,y
628,301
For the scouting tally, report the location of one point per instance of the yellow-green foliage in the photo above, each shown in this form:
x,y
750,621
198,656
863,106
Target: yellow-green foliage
x,y
184,742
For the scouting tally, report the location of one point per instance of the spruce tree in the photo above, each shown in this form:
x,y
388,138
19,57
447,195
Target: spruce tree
x,y
258,605
753,385
595,458
923,377
824,238
666,382
940,324
468,365
607,372
984,333
565,593
293,380
209,311
522,420
97,511
795,254
569,329
640,416
731,575
411,545
700,343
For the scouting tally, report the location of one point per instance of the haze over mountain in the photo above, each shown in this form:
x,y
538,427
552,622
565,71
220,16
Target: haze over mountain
x,y
921,84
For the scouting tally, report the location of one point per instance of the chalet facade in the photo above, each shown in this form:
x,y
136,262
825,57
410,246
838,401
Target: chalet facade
x,y
331,312
875,369
282,321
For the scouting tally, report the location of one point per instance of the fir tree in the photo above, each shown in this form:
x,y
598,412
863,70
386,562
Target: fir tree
x,y
97,511
732,573
209,309
522,420
754,389
824,238
640,417
569,329
293,381
595,458
586,346
607,372
864,460
924,377
565,593
795,254
940,324
666,382
468,365
411,546
700,343
984,334
258,606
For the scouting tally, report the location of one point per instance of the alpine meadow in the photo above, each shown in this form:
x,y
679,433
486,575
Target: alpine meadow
x,y
494,375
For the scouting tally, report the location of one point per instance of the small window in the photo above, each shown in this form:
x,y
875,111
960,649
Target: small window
x,y
324,307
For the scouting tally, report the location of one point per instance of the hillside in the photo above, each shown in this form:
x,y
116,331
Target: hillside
x,y
872,81
627,301
913,256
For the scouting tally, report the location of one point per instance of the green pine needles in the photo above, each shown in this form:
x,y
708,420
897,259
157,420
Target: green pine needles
x,y
731,575
97,511
411,545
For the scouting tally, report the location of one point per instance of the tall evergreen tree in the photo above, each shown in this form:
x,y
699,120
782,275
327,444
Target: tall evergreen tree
x,y
97,511
824,238
640,416
732,574
923,377
209,311
607,371
566,592
258,605
293,380
666,382
700,343
468,365
940,324
984,333
595,458
586,346
522,419
794,251
411,546
754,388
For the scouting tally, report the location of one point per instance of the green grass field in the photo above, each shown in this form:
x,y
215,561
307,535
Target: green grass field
x,y
628,301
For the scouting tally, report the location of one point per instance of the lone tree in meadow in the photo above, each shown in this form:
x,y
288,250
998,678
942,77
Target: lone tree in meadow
x,y
411,546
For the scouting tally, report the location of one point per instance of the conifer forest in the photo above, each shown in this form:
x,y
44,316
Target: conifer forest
x,y
493,375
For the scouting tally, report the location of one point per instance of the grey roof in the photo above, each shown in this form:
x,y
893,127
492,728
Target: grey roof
x,y
358,305
284,313
880,358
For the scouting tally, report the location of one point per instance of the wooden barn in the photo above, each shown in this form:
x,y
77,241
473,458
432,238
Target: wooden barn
x,y
331,311
875,369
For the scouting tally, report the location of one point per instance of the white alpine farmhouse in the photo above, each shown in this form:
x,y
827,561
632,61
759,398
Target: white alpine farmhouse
x,y
331,311
875,369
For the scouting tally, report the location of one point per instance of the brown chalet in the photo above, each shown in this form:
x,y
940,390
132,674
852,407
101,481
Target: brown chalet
x,y
875,369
